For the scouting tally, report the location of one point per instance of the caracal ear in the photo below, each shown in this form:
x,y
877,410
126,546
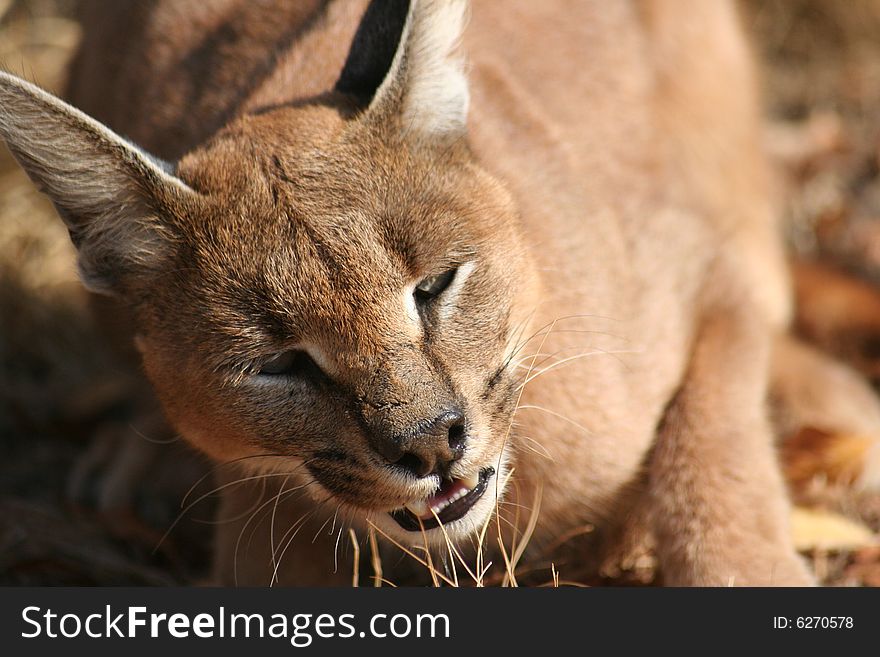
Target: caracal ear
x,y
109,193
402,68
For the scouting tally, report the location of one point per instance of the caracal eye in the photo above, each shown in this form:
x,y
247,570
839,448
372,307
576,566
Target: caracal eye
x,y
292,362
433,286
280,364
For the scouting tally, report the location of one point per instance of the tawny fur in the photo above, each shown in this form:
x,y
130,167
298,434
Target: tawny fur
x,y
612,342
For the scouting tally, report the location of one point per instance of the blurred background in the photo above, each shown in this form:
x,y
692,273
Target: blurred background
x,y
60,385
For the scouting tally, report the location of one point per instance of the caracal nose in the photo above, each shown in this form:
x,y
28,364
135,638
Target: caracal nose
x,y
429,448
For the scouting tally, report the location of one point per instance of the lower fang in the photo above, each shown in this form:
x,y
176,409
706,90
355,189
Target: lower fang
x,y
419,509
472,481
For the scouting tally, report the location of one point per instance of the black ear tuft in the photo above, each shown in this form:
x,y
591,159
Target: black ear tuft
x,y
373,49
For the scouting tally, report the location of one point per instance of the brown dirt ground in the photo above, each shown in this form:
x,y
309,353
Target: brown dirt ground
x,y
60,385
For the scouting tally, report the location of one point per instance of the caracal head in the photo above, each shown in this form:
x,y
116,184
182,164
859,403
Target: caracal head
x,y
331,289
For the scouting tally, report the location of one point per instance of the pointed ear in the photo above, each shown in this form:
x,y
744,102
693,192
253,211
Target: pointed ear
x,y
108,192
402,66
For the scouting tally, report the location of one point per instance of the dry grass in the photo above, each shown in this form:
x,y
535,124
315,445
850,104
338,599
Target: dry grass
x,y
58,381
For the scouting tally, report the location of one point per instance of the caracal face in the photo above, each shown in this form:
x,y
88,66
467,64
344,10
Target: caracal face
x,y
340,308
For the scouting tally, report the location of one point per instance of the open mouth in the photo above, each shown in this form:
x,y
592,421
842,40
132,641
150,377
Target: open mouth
x,y
452,501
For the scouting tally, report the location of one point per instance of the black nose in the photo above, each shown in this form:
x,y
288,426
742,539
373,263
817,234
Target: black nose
x,y
428,448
